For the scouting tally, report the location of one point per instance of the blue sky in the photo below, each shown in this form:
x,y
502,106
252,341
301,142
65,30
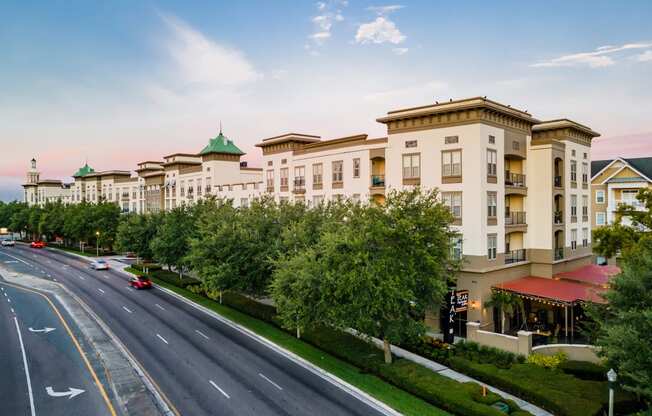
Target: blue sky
x,y
119,82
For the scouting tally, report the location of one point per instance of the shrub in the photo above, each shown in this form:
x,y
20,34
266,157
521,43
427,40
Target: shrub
x,y
150,266
584,370
547,361
249,306
173,278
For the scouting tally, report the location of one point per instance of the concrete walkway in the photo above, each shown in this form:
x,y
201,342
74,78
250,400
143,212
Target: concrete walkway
x,y
452,374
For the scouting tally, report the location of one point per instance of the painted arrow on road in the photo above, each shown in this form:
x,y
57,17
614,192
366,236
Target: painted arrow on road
x,y
45,330
72,392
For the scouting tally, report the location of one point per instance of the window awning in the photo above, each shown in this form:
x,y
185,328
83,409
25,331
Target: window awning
x,y
561,292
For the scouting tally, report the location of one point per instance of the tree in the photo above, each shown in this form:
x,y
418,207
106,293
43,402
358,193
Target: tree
x,y
626,329
508,303
171,243
615,238
136,231
377,271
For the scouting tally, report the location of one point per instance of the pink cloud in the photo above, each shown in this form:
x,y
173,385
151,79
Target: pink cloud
x,y
633,145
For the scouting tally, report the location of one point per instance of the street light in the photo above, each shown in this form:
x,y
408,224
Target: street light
x,y
97,242
612,377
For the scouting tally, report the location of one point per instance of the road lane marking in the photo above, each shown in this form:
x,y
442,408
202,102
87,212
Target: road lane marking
x,y
46,329
161,338
16,258
126,309
77,345
129,288
201,333
270,381
54,280
72,392
12,310
219,389
101,291
81,277
29,380
160,307
8,300
49,275
5,294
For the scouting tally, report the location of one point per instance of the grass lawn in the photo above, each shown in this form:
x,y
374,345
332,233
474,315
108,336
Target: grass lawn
x,y
90,252
390,395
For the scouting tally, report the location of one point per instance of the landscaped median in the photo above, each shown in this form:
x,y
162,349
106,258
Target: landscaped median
x,y
405,386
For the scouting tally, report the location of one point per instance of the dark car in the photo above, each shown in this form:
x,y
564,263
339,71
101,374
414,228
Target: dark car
x,y
37,244
140,282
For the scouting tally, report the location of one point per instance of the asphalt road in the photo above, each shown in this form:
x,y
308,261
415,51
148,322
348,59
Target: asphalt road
x,y
201,365
43,371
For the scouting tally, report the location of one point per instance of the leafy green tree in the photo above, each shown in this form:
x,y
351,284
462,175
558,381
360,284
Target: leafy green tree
x,y
626,327
378,271
617,237
508,304
20,219
136,231
172,242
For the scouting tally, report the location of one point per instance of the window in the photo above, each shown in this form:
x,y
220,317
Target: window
x,y
270,178
199,188
411,166
299,177
270,163
453,200
585,173
355,198
491,204
600,218
452,139
451,163
244,202
585,155
492,243
516,145
284,177
410,143
573,239
573,208
573,171
356,168
585,237
317,200
492,140
338,172
585,208
283,199
284,161
491,162
317,171
456,247
182,188
599,197
573,152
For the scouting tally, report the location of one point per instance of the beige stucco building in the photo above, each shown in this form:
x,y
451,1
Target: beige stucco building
x,y
517,186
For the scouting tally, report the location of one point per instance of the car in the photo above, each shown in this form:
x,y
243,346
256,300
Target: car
x,y
8,243
37,244
140,282
100,265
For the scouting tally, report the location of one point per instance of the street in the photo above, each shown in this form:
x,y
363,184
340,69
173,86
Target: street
x,y
201,365
44,371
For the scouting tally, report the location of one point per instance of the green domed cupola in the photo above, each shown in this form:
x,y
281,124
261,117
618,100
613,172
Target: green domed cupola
x,y
83,171
221,144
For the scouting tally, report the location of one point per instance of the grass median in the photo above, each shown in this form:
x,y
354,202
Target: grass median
x,y
372,385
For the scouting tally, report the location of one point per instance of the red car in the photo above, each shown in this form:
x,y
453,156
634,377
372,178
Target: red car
x,y
140,282
37,244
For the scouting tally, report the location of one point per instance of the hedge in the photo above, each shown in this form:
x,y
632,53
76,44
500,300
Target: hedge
x,y
584,370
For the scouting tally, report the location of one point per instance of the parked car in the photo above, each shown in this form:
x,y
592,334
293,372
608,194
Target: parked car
x,y
8,243
140,282
37,244
100,265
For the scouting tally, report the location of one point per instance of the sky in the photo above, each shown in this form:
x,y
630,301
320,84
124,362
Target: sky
x,y
120,82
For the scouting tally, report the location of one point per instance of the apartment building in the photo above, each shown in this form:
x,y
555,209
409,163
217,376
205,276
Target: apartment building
x,y
615,182
37,191
517,186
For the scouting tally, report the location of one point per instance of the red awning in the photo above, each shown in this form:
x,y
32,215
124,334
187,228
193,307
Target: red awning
x,y
597,275
562,291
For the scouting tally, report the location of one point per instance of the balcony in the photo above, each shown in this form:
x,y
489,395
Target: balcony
x,y
515,218
515,184
378,181
558,218
299,185
515,256
559,254
558,183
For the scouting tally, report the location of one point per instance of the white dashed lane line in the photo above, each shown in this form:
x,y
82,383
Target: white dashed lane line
x,y
100,290
126,309
201,333
270,381
219,389
160,307
161,338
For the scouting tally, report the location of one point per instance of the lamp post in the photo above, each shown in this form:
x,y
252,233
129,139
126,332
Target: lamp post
x,y
612,377
97,242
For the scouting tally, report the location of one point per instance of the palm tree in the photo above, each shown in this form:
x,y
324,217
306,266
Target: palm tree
x,y
508,303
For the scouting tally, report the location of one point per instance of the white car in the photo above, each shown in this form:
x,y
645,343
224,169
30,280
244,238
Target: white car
x,y
100,265
8,243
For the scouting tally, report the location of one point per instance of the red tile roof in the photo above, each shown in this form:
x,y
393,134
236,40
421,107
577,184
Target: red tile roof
x,y
592,273
562,291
